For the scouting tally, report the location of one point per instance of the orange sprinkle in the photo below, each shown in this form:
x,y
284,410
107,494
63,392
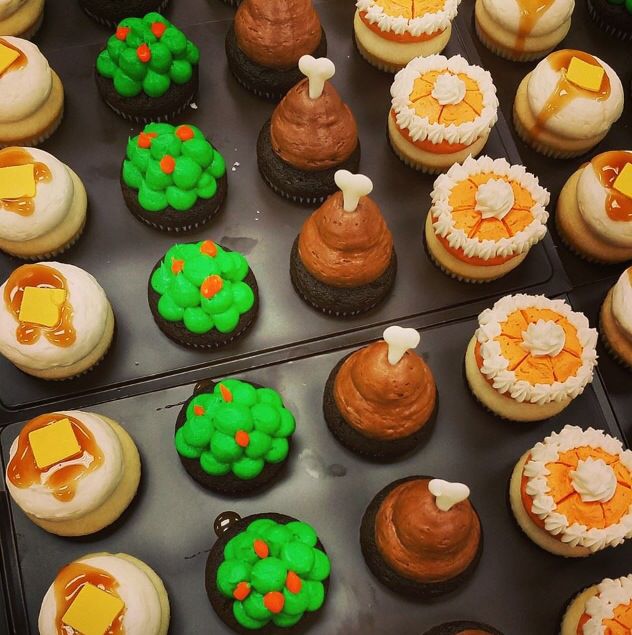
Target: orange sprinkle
x,y
184,133
209,248
261,548
274,601
167,164
144,139
242,438
158,28
293,582
198,411
143,53
242,591
121,33
227,396
211,286
177,266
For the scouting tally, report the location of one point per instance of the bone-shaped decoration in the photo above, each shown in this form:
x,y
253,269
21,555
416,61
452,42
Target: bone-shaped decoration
x,y
317,71
446,494
400,340
353,187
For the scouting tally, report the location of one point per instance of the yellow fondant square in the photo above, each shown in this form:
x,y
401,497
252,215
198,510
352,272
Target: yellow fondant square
x,y
17,181
7,57
93,611
41,305
53,443
623,182
585,75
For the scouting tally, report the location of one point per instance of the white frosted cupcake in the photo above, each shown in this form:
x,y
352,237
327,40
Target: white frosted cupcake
x,y
55,320
567,104
21,18
616,319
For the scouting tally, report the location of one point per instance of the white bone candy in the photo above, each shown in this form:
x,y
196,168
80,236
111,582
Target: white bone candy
x,y
353,187
317,71
447,495
400,340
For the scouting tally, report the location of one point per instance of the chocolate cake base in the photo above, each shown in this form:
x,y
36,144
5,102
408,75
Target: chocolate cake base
x,y
454,628
223,605
229,484
301,186
388,576
614,19
269,83
111,12
375,449
340,301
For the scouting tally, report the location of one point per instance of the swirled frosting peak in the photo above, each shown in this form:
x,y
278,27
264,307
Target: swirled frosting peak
x,y
543,338
495,199
594,480
449,89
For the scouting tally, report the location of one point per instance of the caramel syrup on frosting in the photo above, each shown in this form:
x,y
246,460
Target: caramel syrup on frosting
x,y
608,166
566,91
19,62
530,12
63,334
10,157
23,472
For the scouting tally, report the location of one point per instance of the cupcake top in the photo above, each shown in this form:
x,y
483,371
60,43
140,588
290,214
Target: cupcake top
x,y
385,390
25,79
237,428
486,208
574,94
63,465
51,315
535,350
203,286
604,196
101,593
444,100
577,486
36,193
312,128
275,573
172,166
9,7
427,530
536,18
622,301
345,242
146,55
610,609
277,33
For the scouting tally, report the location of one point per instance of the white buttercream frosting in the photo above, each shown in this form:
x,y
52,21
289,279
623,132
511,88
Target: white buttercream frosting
x,y
449,89
508,13
543,338
622,302
494,199
143,613
9,7
594,480
610,595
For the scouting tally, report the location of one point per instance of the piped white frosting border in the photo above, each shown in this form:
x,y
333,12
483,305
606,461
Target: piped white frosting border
x,y
600,607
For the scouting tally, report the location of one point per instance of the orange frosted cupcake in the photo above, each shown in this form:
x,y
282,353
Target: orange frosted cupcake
x,y
486,215
572,493
443,110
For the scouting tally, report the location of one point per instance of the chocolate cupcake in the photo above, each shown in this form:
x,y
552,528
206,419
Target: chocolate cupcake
x,y
267,573
463,627
421,537
111,12
172,178
613,16
311,135
343,262
266,41
380,400
148,70
203,295
234,437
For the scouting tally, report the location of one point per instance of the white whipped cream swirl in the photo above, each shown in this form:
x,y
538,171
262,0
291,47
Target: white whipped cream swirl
x,y
449,89
594,481
543,338
601,606
494,199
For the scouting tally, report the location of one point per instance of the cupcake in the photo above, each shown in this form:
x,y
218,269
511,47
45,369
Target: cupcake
x,y
613,16
380,400
594,209
602,608
522,31
55,320
464,627
31,94
616,319
111,12
312,134
43,204
343,261
530,357
72,472
567,104
389,33
266,41
173,178
203,295
421,537
443,110
148,70
268,573
572,493
21,18
105,593
485,216
234,437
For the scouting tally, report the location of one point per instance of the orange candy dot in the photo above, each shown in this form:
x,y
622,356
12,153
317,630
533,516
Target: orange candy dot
x,y
211,286
158,28
242,591
184,133
143,53
242,438
198,411
177,266
167,164
209,248
121,33
261,548
227,396
293,582
274,601
144,139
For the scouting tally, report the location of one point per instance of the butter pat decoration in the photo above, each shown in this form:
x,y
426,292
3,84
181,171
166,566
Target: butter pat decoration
x,y
41,305
54,443
93,611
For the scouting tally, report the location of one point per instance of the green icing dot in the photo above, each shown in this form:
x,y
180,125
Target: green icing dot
x,y
316,591
255,608
259,445
232,417
105,65
247,469
132,175
198,431
227,321
131,65
155,178
269,396
218,166
187,173
208,189
267,418
181,200
161,279
169,310
296,603
184,293
276,536
299,557
155,84
321,568
151,200
212,466
161,58
197,321
198,269
260,525
288,423
225,448
244,619
183,448
220,302
230,573
268,575
125,85
200,150
284,620
304,532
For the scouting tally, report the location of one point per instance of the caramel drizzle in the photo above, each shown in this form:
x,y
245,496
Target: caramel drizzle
x,y
608,166
23,472
530,12
19,62
13,156
63,334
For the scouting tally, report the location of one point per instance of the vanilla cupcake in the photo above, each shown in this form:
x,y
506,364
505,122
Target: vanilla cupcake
x,y
594,209
21,18
31,94
572,493
522,31
55,320
616,319
486,215
105,593
390,33
72,472
530,357
567,104
443,110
